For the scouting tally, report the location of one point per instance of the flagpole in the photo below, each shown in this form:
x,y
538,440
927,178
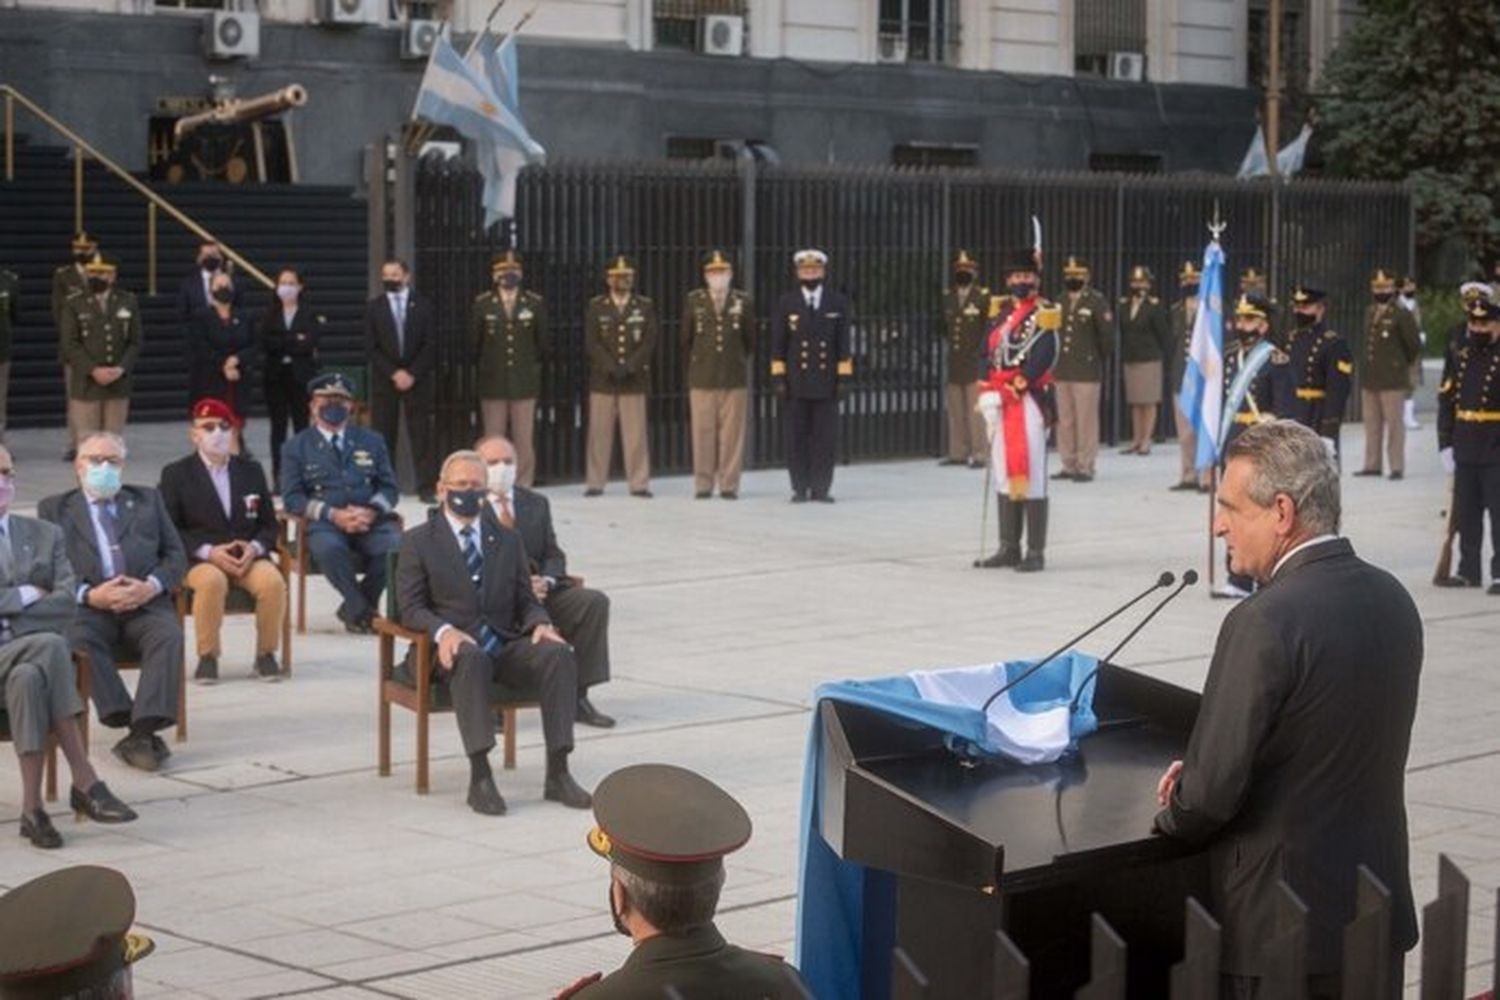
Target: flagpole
x,y
1216,229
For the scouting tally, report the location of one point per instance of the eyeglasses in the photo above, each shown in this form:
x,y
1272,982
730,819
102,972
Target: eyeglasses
x,y
114,460
214,425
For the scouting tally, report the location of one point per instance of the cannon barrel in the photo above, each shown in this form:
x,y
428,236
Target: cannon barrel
x,y
233,111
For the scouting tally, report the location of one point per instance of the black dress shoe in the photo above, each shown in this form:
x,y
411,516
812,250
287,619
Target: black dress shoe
x,y
1184,487
160,748
1064,474
728,495
266,667
484,797
822,498
1456,580
1493,589
975,463
100,805
208,670
799,498
1083,477
950,461
37,828
137,752
1368,472
593,492
591,716
643,494
560,787
1000,560
1396,475
1033,563
703,495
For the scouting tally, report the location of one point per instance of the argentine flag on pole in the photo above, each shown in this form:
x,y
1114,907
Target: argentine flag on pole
x,y
478,98
1202,393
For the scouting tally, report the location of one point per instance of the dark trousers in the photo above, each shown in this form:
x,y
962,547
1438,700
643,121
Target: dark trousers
x,y
340,557
1328,986
152,633
1476,490
582,616
811,439
286,400
546,669
386,407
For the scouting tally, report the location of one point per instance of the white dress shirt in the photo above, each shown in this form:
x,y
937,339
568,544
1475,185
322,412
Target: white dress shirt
x,y
1315,540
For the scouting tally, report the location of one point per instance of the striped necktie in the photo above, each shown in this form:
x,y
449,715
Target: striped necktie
x,y
474,560
112,535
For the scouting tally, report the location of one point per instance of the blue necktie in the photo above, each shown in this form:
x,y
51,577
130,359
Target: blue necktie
x,y
474,560
338,451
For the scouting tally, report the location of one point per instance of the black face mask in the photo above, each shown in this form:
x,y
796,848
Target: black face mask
x,y
963,279
466,503
83,257
98,285
811,283
224,295
1139,293
212,263
1306,319
1189,289
1383,297
392,286
509,280
1021,289
1073,284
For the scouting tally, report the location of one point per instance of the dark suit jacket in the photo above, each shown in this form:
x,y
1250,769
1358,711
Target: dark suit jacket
x,y
433,587
533,515
211,342
416,351
147,537
1296,766
40,560
193,506
297,342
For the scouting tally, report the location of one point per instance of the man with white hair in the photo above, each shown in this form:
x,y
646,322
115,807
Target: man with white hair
x,y
1296,766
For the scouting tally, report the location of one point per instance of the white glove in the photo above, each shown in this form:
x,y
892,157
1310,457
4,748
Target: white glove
x,y
1331,447
1446,457
989,408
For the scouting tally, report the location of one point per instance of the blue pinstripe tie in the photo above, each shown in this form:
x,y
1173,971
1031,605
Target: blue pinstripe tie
x,y
474,559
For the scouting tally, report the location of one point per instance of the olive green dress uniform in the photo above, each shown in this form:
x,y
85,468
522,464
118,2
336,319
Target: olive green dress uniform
x,y
100,331
964,325
620,340
1392,343
10,314
718,341
1084,346
510,344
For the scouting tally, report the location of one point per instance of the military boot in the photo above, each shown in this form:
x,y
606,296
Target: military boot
x,y
1036,537
1009,553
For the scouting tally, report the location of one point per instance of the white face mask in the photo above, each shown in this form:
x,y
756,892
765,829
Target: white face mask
x,y
718,281
501,477
287,293
214,444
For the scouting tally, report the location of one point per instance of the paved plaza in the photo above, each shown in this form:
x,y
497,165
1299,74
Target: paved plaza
x,y
270,859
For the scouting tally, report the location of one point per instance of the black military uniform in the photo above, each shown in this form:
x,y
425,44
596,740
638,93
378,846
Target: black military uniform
x,y
1469,423
10,318
810,359
1085,344
620,338
67,934
965,322
669,826
1321,365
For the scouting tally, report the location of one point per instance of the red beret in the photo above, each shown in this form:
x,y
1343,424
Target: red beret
x,y
214,409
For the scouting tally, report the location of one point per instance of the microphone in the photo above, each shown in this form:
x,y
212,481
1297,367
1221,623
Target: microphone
x,y
1165,580
1189,577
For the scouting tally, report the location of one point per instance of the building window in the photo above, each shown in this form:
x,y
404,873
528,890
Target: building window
x,y
922,154
192,5
1109,38
919,31
1125,163
677,23
1296,57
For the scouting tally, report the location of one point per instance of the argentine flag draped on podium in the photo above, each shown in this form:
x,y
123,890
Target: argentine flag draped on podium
x,y
1201,395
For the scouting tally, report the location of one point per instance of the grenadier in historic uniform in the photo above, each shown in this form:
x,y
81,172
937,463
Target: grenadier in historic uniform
x,y
1085,344
1145,341
718,341
1183,318
101,331
1321,365
509,330
810,359
1015,378
66,280
620,330
1469,442
1391,345
965,321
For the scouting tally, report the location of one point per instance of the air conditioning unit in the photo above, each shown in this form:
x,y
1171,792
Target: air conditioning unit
x,y
721,35
418,37
1127,66
891,48
229,34
350,13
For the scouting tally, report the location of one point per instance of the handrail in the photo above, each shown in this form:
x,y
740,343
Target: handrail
x,y
12,95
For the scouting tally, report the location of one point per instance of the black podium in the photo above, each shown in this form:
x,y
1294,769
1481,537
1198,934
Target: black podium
x,y
968,849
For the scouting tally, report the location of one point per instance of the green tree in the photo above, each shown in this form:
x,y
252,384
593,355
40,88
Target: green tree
x,y
1413,92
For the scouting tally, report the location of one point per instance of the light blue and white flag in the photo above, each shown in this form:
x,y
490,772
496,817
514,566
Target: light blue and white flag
x,y
1201,395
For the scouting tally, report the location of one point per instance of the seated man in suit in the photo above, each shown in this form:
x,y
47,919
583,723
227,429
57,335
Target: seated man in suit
x,y
462,579
222,508
580,614
36,669
128,559
339,477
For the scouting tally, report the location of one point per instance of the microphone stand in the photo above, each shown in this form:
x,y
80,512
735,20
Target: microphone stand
x,y
1189,578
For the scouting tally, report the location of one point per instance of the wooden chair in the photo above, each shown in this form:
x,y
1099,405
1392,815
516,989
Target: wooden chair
x,y
81,679
297,559
239,602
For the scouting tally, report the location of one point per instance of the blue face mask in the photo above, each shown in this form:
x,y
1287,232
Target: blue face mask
x,y
466,503
334,414
103,480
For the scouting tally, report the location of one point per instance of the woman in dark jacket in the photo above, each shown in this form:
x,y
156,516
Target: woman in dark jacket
x,y
219,351
289,334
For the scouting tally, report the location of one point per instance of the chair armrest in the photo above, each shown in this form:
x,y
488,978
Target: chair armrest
x,y
394,629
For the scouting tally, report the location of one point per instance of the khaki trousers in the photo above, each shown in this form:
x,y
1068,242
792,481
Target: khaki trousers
x,y
630,410
718,427
1187,446
1383,423
515,419
966,437
210,587
85,416
1078,425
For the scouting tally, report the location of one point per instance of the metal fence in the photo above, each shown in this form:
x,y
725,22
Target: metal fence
x,y
889,233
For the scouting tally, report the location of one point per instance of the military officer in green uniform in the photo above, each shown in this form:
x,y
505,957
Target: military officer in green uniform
x,y
1184,316
10,317
67,936
66,280
965,322
718,340
665,831
1085,344
1391,345
1145,340
620,331
509,328
101,331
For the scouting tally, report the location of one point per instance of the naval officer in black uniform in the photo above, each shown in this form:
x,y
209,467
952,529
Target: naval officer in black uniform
x,y
1469,441
1321,364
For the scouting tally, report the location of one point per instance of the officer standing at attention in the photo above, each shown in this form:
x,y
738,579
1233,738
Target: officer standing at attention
x,y
621,329
1320,368
809,359
66,280
1145,339
718,339
1085,344
101,331
1469,442
964,323
510,337
1391,345
664,831
1184,317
